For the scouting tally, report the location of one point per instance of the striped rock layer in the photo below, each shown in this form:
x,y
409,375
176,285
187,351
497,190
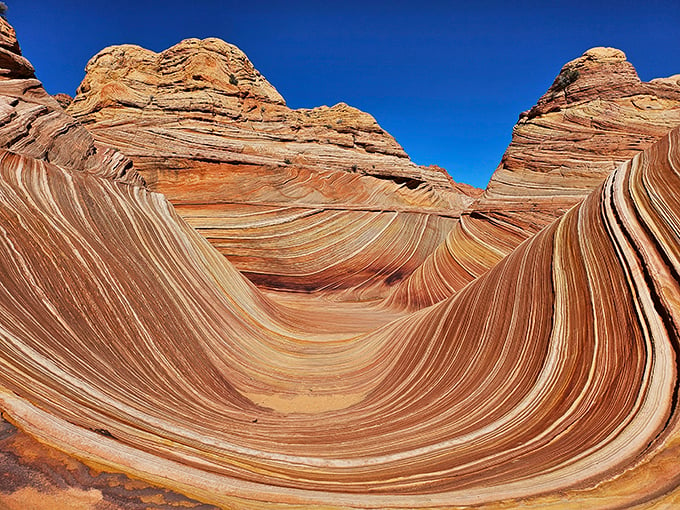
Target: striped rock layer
x,y
595,116
33,123
327,186
140,369
131,344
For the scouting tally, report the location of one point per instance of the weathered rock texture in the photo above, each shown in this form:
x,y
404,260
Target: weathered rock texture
x,y
596,115
64,100
256,178
209,87
131,344
37,477
140,369
33,123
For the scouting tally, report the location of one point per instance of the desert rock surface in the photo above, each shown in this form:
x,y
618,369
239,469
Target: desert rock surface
x,y
595,116
142,369
256,178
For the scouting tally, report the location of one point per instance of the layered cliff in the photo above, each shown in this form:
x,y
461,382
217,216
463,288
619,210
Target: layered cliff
x,y
213,89
596,115
33,123
256,178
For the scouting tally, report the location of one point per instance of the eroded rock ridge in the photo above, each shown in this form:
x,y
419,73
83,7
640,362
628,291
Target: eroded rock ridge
x,y
141,369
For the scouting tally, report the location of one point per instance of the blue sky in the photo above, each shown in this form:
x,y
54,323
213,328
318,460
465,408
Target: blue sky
x,y
446,79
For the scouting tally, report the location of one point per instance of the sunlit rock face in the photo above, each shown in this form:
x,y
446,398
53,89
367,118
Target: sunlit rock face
x,y
327,186
33,123
596,115
141,369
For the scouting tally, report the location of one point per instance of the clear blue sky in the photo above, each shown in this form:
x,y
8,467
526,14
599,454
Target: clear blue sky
x,y
447,79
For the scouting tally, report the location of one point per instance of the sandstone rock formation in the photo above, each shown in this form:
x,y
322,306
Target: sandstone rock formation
x,y
596,115
140,367
256,178
64,100
174,351
33,123
209,87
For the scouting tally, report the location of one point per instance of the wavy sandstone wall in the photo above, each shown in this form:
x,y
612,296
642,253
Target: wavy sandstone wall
x,y
141,369
596,115
130,343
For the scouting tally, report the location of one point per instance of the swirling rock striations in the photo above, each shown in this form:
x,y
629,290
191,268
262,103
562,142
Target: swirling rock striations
x,y
596,115
141,365
130,343
328,186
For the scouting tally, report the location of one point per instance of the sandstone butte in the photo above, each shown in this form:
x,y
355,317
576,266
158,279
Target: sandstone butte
x,y
142,369
327,186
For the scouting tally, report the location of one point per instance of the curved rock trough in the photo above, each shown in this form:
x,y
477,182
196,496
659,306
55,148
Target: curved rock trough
x,y
139,368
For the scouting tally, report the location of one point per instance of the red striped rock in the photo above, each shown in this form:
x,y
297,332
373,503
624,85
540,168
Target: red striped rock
x,y
33,123
256,178
64,100
596,115
140,368
202,386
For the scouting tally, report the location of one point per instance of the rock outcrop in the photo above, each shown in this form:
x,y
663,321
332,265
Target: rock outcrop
x,y
256,178
140,368
33,123
64,100
596,115
131,344
210,87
